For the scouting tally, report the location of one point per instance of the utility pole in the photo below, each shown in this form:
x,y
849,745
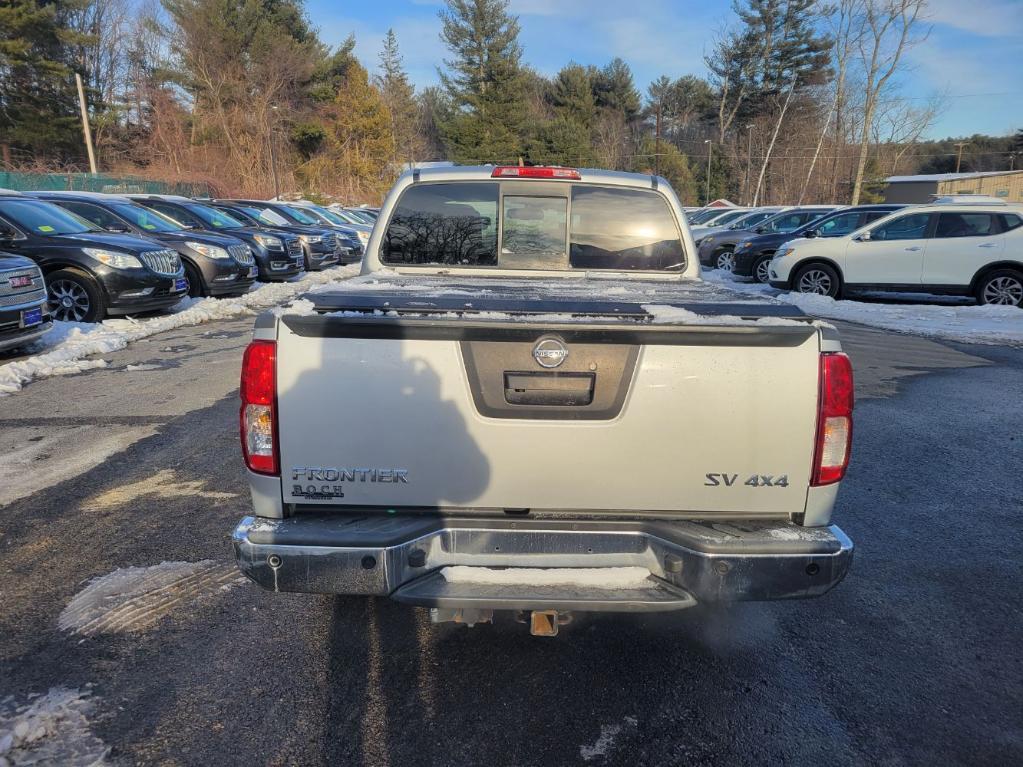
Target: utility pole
x,y
959,157
85,124
657,141
710,149
749,162
273,159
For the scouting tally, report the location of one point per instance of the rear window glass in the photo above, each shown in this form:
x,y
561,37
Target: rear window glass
x,y
622,229
1010,221
470,224
444,224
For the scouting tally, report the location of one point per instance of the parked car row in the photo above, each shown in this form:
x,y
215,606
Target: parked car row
x,y
955,246
83,256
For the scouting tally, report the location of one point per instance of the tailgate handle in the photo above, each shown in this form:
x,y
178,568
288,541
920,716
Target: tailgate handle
x,y
552,389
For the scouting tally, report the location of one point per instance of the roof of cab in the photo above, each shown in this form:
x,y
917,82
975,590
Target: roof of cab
x,y
485,172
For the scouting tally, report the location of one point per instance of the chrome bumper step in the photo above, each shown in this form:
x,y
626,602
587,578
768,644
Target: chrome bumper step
x,y
434,591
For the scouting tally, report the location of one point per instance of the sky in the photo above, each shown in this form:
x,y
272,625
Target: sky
x,y
973,56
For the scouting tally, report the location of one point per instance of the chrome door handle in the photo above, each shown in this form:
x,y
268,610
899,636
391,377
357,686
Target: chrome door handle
x,y
914,248
988,245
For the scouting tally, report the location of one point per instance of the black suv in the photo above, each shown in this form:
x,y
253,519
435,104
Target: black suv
x,y
322,248
24,310
215,265
752,256
279,254
90,273
717,250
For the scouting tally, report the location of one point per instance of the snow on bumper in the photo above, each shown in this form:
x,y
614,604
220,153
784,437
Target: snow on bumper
x,y
404,557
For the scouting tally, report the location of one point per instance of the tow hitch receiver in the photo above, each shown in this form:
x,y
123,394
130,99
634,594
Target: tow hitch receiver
x,y
543,623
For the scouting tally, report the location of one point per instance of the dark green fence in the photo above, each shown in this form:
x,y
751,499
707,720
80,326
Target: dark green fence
x,y
85,182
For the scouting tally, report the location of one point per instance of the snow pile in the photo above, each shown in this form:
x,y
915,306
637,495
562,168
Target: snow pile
x,y
69,343
135,598
968,324
51,729
672,315
590,577
609,733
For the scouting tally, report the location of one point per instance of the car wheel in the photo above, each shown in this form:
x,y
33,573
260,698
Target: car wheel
x,y
818,279
725,261
762,270
75,296
195,289
1002,288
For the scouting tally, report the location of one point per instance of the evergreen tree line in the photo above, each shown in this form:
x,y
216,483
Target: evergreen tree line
x,y
800,101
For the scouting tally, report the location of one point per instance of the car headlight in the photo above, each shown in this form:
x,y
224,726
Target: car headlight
x,y
782,252
744,245
364,236
310,239
268,242
114,258
210,251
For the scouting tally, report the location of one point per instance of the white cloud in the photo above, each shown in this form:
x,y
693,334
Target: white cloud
x,y
989,18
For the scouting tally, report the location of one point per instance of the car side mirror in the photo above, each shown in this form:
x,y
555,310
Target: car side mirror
x,y
865,237
813,233
759,230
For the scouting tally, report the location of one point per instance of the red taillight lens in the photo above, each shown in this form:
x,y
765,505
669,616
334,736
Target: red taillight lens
x,y
258,414
834,420
515,171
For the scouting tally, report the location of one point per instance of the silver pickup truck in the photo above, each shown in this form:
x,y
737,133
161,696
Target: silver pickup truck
x,y
529,401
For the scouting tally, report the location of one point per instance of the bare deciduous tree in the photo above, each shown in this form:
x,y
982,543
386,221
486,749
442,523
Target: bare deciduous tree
x,y
884,31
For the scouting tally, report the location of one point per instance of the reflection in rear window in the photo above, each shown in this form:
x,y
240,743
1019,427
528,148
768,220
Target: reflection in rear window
x,y
608,228
622,229
444,224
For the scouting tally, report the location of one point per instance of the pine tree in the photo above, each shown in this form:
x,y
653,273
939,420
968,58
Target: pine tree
x,y
399,96
614,88
573,95
483,81
38,103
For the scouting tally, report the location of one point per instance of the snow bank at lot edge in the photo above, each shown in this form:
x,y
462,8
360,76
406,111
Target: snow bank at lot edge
x,y
68,345
966,324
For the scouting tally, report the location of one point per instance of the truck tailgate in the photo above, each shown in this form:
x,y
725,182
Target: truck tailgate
x,y
435,411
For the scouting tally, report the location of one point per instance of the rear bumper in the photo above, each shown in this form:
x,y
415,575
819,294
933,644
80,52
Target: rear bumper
x,y
402,556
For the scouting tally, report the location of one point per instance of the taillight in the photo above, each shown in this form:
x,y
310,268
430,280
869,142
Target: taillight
x,y
258,414
834,420
536,171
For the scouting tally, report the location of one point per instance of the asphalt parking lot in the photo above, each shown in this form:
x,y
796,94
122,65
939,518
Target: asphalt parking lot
x,y
914,659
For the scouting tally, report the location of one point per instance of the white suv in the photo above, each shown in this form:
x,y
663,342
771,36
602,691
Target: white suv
x,y
956,249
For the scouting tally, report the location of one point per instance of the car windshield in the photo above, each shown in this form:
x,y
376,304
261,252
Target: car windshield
x,y
144,218
752,219
730,217
300,215
214,218
44,218
784,223
361,217
345,216
266,216
330,216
